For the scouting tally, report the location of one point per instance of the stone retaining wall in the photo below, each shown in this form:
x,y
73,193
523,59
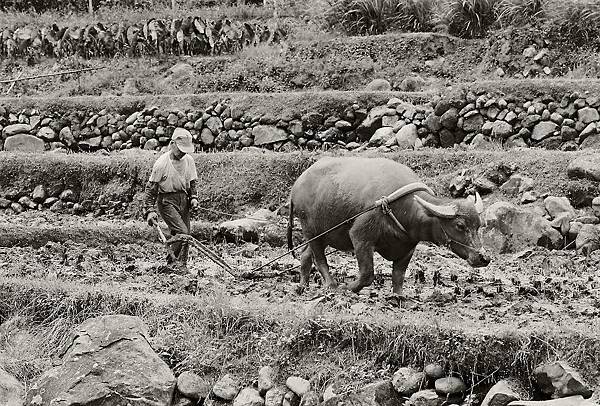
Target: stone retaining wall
x,y
473,120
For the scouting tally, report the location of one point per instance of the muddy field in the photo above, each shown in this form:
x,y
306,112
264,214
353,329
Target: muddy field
x,y
532,287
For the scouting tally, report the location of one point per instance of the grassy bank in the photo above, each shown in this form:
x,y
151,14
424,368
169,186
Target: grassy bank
x,y
238,182
218,334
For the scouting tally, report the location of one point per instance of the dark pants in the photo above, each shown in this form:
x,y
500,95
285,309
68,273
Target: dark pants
x,y
174,208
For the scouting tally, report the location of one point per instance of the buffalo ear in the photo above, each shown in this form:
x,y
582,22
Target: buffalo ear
x,y
447,211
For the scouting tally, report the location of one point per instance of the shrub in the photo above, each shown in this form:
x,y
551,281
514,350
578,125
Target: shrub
x,y
416,15
577,21
470,18
364,16
519,12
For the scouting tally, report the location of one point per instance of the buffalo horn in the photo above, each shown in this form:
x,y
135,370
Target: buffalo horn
x,y
478,203
440,211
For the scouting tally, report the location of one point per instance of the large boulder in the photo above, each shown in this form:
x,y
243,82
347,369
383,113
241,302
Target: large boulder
x,y
12,392
378,85
24,143
381,136
268,134
585,167
510,229
108,360
558,380
407,136
250,228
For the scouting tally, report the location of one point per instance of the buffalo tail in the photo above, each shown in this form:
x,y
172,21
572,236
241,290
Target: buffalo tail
x,y
289,229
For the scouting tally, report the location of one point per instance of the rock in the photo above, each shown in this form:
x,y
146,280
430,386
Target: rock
x,y
226,388
275,395
108,360
446,138
451,385
14,129
266,379
450,118
558,379
543,129
407,136
207,138
407,381
433,123
425,398
4,203
12,392
151,144
266,134
484,185
66,137
17,208
596,206
555,205
246,229
47,134
412,84
329,393
310,398
381,136
473,123
330,135
562,222
298,385
192,386
291,399
214,124
531,120
181,69
248,397
351,399
39,194
517,184
510,229
434,371
568,401
568,133
588,239
589,130
591,142
585,167
24,143
588,115
27,202
378,85
502,393
381,393
501,130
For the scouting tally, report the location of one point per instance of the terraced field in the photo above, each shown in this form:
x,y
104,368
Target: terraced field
x,y
93,254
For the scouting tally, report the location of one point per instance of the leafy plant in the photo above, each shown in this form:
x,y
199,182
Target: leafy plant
x,y
364,16
519,12
416,15
470,18
577,21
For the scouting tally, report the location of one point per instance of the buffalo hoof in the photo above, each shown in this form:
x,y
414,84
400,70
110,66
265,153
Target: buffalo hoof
x,y
396,299
300,288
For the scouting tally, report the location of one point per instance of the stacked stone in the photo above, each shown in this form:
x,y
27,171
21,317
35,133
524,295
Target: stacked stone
x,y
475,121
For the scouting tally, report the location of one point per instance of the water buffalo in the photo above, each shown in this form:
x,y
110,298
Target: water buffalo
x,y
335,189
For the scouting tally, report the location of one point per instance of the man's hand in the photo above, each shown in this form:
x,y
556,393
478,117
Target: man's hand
x,y
194,203
152,219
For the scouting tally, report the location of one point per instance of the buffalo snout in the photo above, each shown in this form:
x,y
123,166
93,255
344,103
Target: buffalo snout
x,y
479,259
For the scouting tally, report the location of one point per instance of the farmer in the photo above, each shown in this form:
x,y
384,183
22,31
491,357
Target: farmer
x,y
172,189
